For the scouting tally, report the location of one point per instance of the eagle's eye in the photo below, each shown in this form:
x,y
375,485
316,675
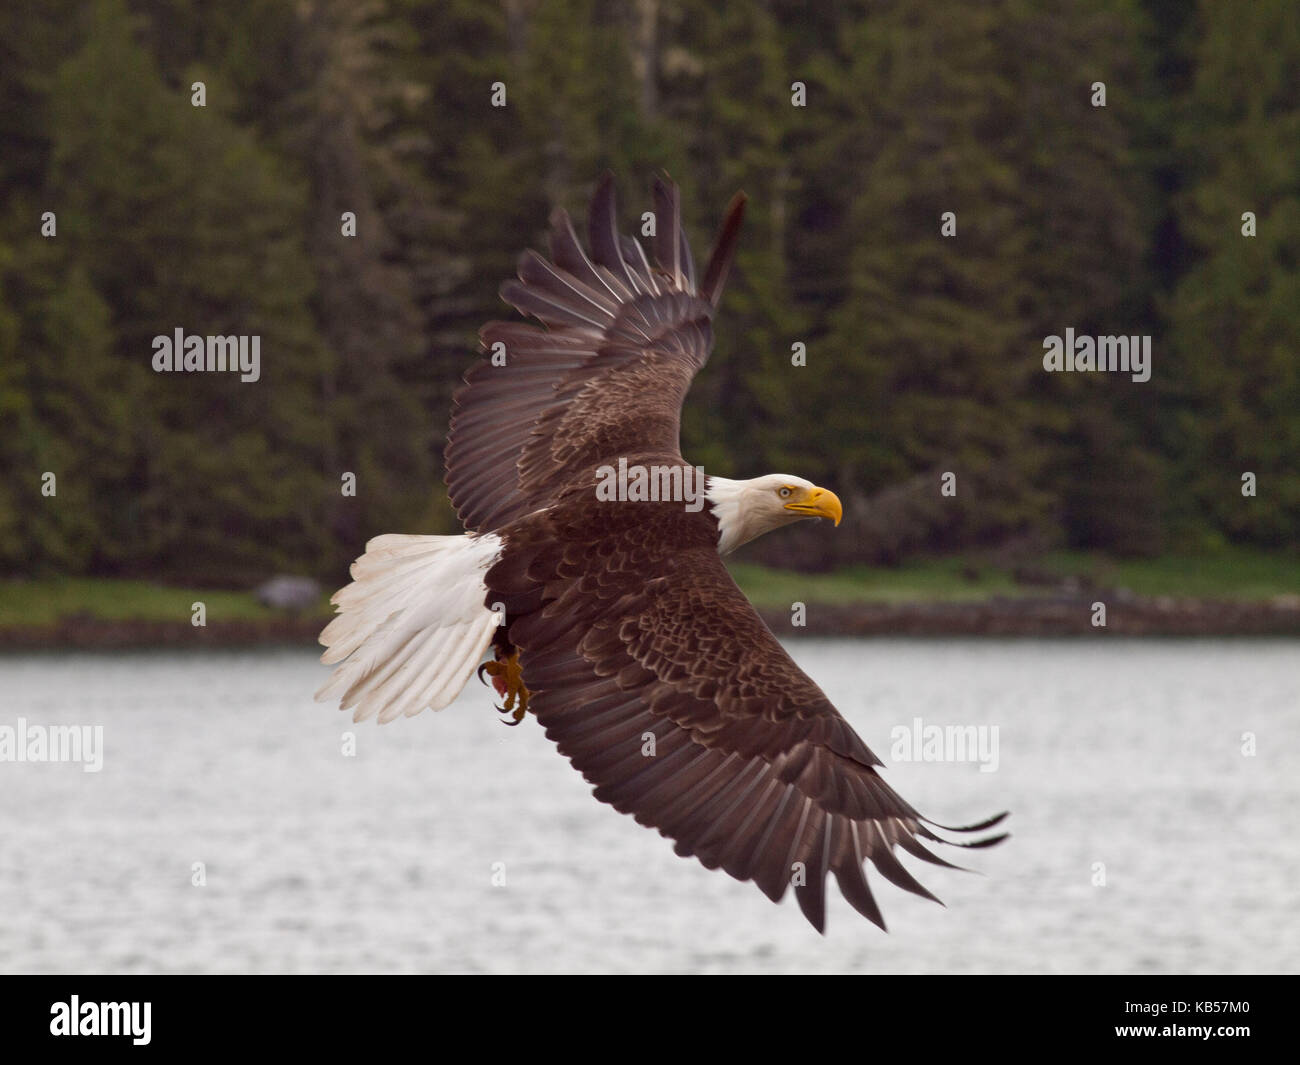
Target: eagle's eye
x,y
784,493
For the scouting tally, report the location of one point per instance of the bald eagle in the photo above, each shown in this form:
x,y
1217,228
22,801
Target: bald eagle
x,y
612,618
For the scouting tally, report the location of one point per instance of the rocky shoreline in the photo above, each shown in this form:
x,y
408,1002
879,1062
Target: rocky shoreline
x,y
1057,616
1046,616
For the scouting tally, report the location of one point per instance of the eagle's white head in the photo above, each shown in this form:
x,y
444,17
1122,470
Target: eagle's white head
x,y
747,509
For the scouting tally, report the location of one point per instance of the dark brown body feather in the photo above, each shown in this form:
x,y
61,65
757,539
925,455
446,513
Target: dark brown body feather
x,y
629,625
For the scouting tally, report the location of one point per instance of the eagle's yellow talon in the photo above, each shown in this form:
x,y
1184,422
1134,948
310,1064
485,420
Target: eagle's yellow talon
x,y
508,679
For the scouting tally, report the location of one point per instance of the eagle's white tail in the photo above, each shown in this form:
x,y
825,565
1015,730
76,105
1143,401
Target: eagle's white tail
x,y
413,621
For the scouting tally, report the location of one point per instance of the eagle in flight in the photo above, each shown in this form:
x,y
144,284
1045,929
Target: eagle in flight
x,y
608,611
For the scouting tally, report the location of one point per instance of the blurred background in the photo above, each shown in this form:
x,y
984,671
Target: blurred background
x,y
924,352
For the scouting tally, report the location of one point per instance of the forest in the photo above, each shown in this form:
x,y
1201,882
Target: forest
x,y
937,191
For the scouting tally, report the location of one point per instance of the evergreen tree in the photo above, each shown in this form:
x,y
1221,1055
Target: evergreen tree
x,y
926,364
181,219
1234,322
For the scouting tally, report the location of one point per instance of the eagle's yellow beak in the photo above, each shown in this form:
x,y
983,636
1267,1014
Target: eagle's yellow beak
x,y
817,503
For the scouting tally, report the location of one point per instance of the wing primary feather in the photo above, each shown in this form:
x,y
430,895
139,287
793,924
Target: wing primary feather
x,y
979,844
603,233
811,894
638,264
852,878
569,256
668,228
798,836
688,262
914,847
715,274
882,857
774,887
735,854
535,270
996,820
720,820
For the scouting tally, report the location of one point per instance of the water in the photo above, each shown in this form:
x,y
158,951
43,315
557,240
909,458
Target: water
x,y
1126,753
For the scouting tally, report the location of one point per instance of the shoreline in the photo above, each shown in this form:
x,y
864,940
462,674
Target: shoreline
x,y
1054,616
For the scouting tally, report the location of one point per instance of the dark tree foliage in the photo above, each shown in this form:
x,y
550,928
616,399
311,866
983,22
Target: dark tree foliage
x,y
923,348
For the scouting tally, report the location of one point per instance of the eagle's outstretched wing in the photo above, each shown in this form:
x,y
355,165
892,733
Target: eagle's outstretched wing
x,y
632,628
608,374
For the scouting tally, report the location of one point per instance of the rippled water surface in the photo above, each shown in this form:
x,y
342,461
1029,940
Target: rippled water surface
x,y
1123,753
